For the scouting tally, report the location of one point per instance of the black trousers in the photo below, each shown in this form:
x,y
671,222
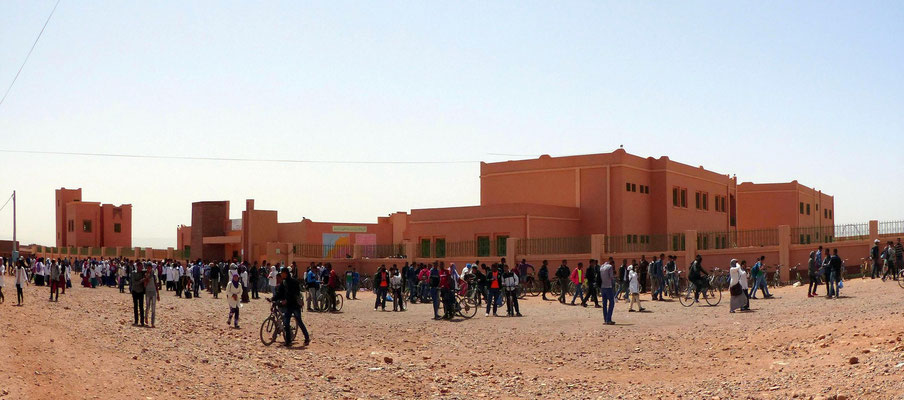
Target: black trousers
x,y
19,296
511,302
563,286
591,295
254,286
545,283
138,307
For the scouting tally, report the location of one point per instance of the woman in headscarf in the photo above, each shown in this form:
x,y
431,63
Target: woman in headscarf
x,y
272,279
738,300
233,291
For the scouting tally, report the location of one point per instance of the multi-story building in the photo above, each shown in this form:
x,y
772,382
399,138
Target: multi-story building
x,y
767,205
91,224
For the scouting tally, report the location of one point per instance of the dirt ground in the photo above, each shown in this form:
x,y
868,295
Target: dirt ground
x,y
85,347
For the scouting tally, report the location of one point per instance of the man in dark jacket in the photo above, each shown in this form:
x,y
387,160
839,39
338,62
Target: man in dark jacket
x,y
253,277
543,274
562,274
215,279
288,296
136,287
593,277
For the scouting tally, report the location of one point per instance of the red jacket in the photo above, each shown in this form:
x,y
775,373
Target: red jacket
x,y
333,283
445,280
576,279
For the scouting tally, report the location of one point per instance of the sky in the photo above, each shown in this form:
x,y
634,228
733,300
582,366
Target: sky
x,y
770,91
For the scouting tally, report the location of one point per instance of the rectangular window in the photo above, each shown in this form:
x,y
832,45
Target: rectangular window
x,y
633,187
627,186
706,201
808,239
440,244
717,204
187,251
825,213
71,225
801,208
684,198
675,200
723,204
501,249
117,228
483,246
697,200
830,214
808,208
425,247
86,225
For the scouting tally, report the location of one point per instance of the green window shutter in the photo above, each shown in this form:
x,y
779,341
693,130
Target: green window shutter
x,y
425,247
483,246
501,250
440,248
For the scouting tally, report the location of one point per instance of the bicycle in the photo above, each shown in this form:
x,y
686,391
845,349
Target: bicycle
x,y
464,307
272,326
796,272
864,267
321,305
711,294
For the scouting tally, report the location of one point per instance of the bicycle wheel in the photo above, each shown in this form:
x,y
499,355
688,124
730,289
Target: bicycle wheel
x,y
293,327
465,308
713,296
901,281
269,331
555,288
321,303
532,286
339,301
687,297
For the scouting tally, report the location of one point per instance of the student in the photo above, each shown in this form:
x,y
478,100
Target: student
x,y
812,274
593,281
543,274
332,284
381,284
287,296
312,284
348,283
233,291
151,295
510,283
21,281
54,280
396,283
562,274
494,283
738,299
578,278
2,272
607,291
136,287
634,288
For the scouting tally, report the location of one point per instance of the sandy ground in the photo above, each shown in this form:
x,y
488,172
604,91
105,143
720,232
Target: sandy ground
x,y
84,347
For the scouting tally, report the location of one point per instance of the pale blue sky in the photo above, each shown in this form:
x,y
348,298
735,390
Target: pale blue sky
x,y
770,91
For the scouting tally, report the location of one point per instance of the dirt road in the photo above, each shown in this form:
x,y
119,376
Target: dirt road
x,y
85,347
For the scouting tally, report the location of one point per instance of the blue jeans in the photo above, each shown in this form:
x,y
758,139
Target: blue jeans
x,y
287,318
578,293
608,296
832,284
493,300
434,292
760,283
412,289
660,287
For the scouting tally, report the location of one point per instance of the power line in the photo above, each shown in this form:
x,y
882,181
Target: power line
x,y
7,202
270,160
29,53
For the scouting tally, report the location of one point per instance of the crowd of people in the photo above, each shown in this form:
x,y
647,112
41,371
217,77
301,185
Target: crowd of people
x,y
599,283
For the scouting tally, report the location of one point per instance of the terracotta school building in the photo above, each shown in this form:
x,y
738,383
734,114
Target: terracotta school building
x,y
589,204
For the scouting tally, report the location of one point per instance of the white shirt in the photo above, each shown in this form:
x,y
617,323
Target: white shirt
x,y
272,277
21,276
633,284
735,274
742,275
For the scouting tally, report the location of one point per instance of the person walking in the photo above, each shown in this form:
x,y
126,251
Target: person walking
x,y
233,295
874,257
253,280
563,274
827,274
21,282
136,287
889,256
607,290
196,279
738,298
287,296
578,278
623,279
643,273
151,295
759,278
543,274
348,283
634,288
657,275
837,276
54,280
593,281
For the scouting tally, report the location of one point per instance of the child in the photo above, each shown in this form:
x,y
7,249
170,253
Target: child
x,y
634,289
233,291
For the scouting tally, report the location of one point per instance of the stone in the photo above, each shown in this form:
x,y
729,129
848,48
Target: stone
x,y
853,360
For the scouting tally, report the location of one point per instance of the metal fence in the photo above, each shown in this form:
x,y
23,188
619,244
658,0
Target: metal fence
x,y
891,228
734,239
323,250
465,248
829,234
381,250
635,243
554,245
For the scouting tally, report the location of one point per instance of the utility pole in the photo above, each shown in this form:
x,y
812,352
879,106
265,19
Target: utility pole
x,y
15,251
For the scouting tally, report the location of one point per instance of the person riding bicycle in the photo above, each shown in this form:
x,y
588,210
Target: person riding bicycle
x,y
698,276
288,297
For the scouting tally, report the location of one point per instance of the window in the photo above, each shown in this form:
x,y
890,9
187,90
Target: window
x,y
117,228
675,201
483,246
808,208
501,248
71,225
697,201
717,203
825,213
706,201
830,214
187,251
86,225
678,242
425,247
684,198
633,187
723,205
440,244
627,186
801,208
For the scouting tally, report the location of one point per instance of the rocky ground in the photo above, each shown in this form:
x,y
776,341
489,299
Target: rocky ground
x,y
85,347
